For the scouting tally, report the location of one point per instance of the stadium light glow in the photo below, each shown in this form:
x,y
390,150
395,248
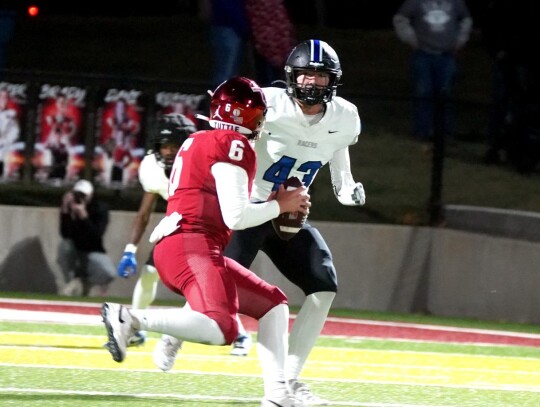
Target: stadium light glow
x,y
33,11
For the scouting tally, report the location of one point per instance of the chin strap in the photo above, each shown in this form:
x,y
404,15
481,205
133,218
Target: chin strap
x,y
220,125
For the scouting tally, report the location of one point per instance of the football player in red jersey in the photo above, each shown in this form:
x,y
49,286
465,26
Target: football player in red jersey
x,y
209,191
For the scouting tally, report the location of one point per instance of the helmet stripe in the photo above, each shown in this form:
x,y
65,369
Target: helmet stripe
x,y
316,51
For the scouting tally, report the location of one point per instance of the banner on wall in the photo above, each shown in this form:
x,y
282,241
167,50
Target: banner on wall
x,y
59,146
13,100
119,138
187,104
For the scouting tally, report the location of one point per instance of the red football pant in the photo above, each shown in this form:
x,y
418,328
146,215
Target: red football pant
x,y
193,265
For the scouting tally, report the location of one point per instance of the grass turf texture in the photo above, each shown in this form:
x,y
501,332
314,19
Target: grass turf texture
x,y
51,365
61,364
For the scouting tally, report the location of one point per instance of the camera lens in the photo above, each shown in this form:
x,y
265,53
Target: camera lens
x,y
78,197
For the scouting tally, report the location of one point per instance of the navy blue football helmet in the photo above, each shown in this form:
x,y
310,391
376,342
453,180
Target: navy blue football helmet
x,y
312,55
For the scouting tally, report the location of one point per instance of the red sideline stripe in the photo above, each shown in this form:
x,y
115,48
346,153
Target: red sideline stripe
x,y
396,332
413,334
346,327
85,310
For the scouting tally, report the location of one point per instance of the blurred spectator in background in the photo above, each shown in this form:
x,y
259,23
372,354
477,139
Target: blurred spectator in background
x,y
7,28
241,27
81,255
229,33
272,39
510,36
435,30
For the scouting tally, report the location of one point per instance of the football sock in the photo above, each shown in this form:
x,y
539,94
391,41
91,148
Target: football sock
x,y
241,329
272,346
145,289
306,329
185,324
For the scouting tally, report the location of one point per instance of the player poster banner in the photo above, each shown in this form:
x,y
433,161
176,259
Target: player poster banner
x,y
187,104
59,148
120,142
13,99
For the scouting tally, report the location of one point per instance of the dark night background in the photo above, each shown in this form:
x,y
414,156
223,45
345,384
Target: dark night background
x,y
165,47
331,13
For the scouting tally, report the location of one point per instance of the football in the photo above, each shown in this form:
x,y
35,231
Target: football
x,y
288,224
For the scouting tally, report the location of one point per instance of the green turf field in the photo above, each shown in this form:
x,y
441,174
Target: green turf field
x,y
61,365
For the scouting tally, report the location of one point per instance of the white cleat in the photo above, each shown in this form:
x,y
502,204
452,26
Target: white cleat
x,y
137,339
118,322
288,402
280,398
303,395
165,352
242,345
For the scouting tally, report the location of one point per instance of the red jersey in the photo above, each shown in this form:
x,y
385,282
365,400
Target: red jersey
x,y
192,187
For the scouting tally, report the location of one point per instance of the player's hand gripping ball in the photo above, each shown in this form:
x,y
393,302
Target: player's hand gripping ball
x,y
288,224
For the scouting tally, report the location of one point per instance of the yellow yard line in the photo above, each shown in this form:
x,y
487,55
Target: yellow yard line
x,y
359,365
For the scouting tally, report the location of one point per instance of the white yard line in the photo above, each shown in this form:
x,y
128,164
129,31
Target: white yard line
x,y
194,397
82,319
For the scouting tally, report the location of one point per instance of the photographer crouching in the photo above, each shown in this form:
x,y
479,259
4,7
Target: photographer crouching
x,y
81,255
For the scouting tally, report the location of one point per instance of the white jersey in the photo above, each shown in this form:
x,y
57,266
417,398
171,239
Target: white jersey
x,y
289,146
152,176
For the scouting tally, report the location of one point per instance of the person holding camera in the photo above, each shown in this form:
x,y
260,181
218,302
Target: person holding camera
x,y
81,254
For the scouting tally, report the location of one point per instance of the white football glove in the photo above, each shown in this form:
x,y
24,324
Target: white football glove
x,y
351,195
165,227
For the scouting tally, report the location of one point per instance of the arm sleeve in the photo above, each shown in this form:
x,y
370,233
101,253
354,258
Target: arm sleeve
x,y
232,190
347,191
340,170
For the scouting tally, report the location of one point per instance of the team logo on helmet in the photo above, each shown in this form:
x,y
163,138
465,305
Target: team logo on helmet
x,y
238,104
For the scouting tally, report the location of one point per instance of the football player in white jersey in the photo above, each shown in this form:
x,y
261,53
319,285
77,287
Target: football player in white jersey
x,y
154,173
307,126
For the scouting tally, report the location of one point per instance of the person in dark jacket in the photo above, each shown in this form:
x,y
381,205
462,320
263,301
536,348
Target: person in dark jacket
x,y
510,36
81,254
435,31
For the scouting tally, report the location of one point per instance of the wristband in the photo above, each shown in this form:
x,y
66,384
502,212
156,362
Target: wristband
x,y
131,248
